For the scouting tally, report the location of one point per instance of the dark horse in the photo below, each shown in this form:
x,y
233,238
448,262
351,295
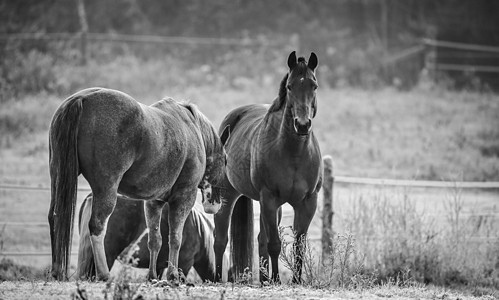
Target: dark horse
x,y
273,157
127,229
161,153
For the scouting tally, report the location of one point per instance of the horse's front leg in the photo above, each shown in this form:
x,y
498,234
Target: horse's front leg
x,y
221,233
103,204
263,252
153,210
269,209
304,212
180,205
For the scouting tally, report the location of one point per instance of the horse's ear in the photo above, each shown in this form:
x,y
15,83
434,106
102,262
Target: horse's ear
x,y
225,134
313,61
292,60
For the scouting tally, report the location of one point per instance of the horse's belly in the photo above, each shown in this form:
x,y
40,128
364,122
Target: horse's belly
x,y
144,189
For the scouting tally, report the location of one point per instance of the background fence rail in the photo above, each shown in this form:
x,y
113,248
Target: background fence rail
x,y
326,210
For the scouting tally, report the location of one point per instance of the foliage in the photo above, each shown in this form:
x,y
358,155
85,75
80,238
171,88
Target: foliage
x,y
11,271
351,37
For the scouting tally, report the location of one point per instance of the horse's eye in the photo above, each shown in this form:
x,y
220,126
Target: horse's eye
x,y
288,87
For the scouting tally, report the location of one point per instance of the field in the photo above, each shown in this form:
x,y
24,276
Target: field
x,y
427,133
51,290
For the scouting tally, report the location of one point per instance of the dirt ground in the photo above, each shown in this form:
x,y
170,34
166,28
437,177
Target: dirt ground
x,y
89,290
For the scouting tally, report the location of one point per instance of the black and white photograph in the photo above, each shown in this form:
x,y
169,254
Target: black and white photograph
x,y
249,149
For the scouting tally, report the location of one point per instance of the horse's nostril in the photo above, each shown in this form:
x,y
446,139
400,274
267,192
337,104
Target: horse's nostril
x,y
302,129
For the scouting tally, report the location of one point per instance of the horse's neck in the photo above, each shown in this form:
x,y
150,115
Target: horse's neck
x,y
209,140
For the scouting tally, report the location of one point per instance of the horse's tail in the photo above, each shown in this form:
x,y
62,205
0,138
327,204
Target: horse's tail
x,y
86,267
64,171
241,235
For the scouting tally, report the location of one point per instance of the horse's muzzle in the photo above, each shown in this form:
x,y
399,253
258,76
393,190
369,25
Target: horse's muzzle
x,y
302,129
210,203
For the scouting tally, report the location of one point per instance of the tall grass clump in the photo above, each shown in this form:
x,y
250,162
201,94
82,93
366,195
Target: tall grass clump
x,y
396,238
124,285
342,268
11,271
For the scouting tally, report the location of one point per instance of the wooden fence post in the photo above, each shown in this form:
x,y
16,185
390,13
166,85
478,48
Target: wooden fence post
x,y
327,207
84,30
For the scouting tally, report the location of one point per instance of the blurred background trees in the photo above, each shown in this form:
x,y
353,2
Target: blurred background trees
x,y
355,40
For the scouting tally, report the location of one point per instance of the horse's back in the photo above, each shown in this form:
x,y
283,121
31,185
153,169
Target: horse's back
x,y
244,116
244,123
142,146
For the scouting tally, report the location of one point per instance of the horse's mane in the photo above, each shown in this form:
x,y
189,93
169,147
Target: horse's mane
x,y
299,70
205,229
281,98
208,132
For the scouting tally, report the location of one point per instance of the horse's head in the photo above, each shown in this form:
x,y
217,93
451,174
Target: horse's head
x,y
216,160
301,87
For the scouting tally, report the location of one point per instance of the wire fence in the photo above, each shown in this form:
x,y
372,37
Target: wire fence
x,y
342,180
426,46
129,38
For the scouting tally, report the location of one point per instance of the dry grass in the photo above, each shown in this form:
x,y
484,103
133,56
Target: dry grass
x,y
65,290
452,246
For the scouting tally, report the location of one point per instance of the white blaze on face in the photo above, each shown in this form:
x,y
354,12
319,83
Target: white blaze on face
x,y
210,206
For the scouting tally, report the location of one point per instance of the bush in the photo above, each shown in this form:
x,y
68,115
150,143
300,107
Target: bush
x,y
10,271
28,73
396,238
27,116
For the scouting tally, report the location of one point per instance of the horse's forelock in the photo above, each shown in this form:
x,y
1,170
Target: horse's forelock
x,y
301,68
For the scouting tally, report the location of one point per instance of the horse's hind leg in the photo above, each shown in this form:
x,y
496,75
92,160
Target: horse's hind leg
x,y
180,205
103,204
153,210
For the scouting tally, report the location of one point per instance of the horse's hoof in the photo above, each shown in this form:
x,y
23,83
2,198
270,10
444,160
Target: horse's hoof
x,y
165,283
159,283
151,278
175,283
102,277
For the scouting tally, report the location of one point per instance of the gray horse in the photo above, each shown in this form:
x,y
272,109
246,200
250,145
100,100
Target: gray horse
x,y
160,153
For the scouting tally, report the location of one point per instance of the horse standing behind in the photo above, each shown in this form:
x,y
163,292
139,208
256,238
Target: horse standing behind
x,y
272,157
127,230
165,151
